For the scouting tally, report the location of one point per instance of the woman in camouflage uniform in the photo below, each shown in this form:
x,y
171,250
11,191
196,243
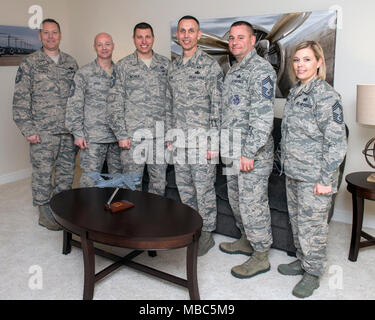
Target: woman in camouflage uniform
x,y
313,146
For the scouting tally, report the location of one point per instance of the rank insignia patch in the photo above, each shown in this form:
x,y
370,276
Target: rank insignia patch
x,y
337,113
267,88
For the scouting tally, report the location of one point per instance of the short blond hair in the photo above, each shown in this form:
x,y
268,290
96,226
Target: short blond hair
x,y
318,53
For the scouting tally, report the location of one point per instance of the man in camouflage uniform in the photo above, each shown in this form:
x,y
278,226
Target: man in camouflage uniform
x,y
41,91
248,99
195,81
86,113
137,109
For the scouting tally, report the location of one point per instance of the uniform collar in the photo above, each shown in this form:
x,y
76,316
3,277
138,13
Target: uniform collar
x,y
246,59
193,59
98,68
134,59
306,88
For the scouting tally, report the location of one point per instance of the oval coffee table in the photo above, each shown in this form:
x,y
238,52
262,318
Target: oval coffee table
x,y
155,223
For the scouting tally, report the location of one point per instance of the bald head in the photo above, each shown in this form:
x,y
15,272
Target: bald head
x,y
104,46
101,36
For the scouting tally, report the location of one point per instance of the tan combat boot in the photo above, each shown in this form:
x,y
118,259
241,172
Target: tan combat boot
x,y
291,269
206,242
306,286
240,246
256,264
46,218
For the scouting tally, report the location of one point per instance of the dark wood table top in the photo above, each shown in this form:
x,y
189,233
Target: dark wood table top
x,y
154,223
357,183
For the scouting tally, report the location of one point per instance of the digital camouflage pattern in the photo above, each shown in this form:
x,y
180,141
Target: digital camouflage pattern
x,y
308,215
86,115
313,146
137,98
248,100
41,91
313,143
195,89
136,103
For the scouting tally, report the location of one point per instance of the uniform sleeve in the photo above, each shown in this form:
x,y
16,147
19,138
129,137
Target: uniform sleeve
x,y
330,119
215,88
74,120
22,107
262,88
168,104
116,105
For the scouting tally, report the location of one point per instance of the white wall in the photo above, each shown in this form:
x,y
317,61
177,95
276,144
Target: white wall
x,y
354,50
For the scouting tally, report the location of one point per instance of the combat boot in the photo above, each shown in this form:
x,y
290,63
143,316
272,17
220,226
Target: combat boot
x,y
206,242
291,269
240,246
46,218
256,264
306,286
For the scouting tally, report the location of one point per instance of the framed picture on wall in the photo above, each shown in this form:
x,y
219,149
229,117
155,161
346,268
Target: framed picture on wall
x,y
276,34
15,43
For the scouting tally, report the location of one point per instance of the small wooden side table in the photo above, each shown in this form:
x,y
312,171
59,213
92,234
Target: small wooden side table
x,y
360,190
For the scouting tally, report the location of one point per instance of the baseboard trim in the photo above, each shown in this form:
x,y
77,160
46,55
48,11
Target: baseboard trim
x,y
15,176
347,217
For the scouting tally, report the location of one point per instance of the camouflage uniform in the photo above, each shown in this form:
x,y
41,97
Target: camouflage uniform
x,y
248,99
39,103
86,118
313,146
137,101
195,97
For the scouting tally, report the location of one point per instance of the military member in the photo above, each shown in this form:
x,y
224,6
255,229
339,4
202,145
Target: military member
x,y
86,112
313,146
195,81
41,91
248,99
137,104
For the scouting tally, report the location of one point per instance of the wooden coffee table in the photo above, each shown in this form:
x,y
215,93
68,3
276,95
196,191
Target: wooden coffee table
x,y
155,223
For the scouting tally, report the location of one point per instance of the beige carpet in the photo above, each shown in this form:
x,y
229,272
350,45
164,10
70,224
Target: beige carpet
x,y
33,267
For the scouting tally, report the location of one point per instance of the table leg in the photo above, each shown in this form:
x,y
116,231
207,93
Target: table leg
x,y
89,265
358,207
191,267
67,246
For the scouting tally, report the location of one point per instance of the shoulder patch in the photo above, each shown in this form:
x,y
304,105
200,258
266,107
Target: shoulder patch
x,y
337,113
267,88
19,75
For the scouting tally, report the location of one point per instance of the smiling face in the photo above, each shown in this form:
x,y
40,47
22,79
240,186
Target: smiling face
x,y
104,46
50,36
241,41
305,65
143,41
188,34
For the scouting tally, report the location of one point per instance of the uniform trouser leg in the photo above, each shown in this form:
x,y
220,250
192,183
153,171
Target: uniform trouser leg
x,y
248,197
308,216
92,159
156,167
53,152
133,160
196,186
65,164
